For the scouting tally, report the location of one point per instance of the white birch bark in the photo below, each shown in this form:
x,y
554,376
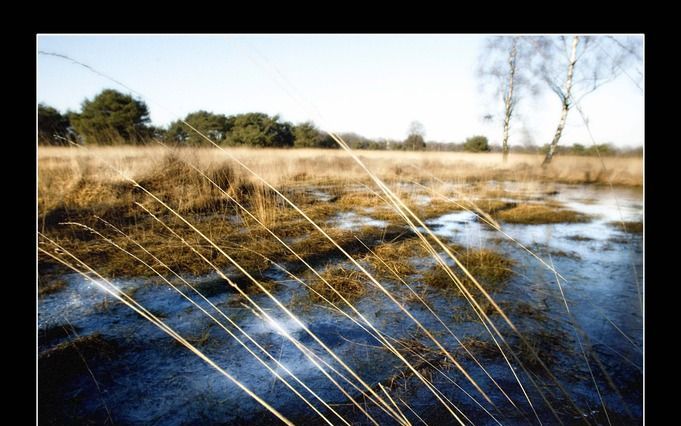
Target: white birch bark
x,y
566,102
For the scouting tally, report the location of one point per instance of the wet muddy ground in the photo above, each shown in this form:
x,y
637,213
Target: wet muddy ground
x,y
100,362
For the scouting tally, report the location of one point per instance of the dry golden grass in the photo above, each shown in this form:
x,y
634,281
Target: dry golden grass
x,y
315,166
540,213
393,258
350,283
76,185
490,268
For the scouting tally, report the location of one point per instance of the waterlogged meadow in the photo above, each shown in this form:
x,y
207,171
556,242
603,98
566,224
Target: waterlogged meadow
x,y
255,286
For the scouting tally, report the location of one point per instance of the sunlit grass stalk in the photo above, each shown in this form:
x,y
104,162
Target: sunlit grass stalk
x,y
385,291
413,412
256,282
247,335
262,311
437,317
403,209
609,380
449,379
371,333
218,322
387,394
131,303
581,348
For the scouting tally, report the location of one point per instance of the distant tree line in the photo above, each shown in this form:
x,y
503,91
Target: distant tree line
x,y
114,118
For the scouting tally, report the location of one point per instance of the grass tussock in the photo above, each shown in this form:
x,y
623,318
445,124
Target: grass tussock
x,y
393,258
350,283
532,214
425,359
489,267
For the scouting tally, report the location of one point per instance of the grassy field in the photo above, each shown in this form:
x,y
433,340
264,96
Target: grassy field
x,y
283,166
79,185
167,215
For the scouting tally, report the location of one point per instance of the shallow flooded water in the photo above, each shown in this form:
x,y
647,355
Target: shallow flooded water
x,y
149,379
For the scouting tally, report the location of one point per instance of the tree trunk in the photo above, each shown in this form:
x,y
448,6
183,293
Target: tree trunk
x,y
566,103
508,101
556,137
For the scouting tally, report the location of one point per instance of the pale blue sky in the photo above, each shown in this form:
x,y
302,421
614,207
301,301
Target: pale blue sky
x,y
374,85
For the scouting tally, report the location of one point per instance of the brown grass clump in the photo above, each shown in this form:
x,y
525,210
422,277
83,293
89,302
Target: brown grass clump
x,y
490,268
350,283
487,265
631,227
423,358
431,210
540,214
395,257
435,208
437,277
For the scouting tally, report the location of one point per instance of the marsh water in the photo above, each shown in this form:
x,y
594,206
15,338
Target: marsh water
x,y
147,378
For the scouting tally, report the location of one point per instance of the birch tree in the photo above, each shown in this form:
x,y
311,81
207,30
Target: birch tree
x,y
505,65
575,66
